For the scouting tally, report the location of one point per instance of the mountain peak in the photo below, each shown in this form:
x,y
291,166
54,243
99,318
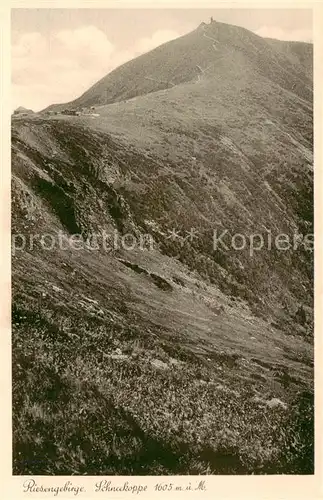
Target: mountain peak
x,y
197,56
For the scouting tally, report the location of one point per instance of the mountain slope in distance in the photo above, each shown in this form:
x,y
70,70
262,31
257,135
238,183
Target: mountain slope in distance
x,y
209,47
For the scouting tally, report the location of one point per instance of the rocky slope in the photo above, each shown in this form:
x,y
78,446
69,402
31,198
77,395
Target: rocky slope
x,y
164,357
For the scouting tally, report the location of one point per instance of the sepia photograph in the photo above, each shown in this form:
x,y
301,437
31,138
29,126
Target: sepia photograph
x,y
162,242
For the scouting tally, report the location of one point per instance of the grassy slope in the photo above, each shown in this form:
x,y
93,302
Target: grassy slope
x,y
299,52
241,163
87,403
174,366
132,385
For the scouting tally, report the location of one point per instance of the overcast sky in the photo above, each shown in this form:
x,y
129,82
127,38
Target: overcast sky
x,y
57,54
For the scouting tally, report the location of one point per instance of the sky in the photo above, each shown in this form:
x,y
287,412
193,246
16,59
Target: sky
x,y
57,54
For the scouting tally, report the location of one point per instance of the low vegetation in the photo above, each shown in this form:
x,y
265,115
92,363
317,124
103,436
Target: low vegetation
x,y
94,397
